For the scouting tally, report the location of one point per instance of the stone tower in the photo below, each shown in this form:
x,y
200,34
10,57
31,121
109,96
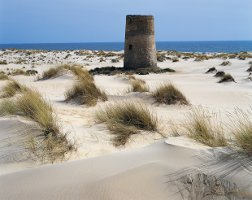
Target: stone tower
x,y
140,46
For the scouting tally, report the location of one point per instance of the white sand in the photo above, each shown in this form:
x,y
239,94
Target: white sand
x,y
133,172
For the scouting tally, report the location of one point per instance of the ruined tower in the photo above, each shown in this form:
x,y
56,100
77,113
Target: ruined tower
x,y
140,46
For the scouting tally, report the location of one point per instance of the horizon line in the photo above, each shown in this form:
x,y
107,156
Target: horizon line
x,y
123,42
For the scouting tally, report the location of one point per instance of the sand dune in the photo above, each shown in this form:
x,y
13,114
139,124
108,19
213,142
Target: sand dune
x,y
147,167
140,174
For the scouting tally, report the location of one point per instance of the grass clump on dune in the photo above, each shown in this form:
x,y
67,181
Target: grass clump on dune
x,y
51,144
211,70
225,63
138,85
169,94
119,70
220,74
3,76
243,131
84,91
249,69
81,73
126,119
17,72
53,72
226,78
200,127
12,88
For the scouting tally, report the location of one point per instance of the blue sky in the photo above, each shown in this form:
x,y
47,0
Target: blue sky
x,y
52,21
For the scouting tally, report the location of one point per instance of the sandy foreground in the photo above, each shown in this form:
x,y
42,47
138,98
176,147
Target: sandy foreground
x,y
148,166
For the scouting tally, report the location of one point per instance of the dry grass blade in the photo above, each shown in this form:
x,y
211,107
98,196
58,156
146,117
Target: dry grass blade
x,y
3,76
243,130
52,144
169,94
11,88
85,92
18,72
125,119
200,126
81,73
53,72
139,85
226,78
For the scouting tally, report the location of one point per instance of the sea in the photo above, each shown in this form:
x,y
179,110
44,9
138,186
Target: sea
x,y
192,46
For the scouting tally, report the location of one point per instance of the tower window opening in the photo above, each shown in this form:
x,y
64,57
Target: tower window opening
x,y
130,47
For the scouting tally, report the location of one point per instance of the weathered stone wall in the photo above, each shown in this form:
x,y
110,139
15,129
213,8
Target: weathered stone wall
x,y
140,46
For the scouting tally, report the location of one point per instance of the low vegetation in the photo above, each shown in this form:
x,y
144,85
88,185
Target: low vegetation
x,y
225,63
220,74
138,85
115,60
243,130
3,62
11,88
211,70
3,76
30,72
161,57
201,57
200,127
84,91
51,145
169,94
119,70
81,73
53,72
175,59
17,72
249,69
226,78
126,119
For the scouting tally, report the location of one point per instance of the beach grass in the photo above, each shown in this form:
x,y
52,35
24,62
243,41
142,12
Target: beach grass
x,y
3,76
81,73
11,88
201,126
17,72
138,85
51,145
52,72
226,78
125,119
243,130
169,94
84,91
